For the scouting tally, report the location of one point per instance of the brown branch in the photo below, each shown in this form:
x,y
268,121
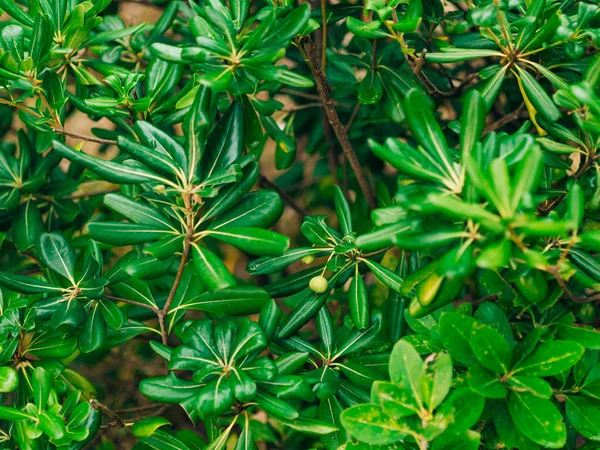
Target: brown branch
x,y
184,257
84,137
584,299
139,408
302,106
265,182
140,2
91,194
504,120
311,97
324,36
310,53
352,117
417,69
561,282
132,302
116,419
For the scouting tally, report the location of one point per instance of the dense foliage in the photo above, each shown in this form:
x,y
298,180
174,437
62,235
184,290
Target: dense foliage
x,y
277,224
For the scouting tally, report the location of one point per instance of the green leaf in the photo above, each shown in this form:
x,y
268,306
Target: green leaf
x,y
455,332
120,233
108,170
538,96
465,407
147,426
112,35
231,195
342,209
490,314
253,240
137,212
260,209
538,419
40,384
370,89
302,313
92,334
27,226
396,399
550,358
154,156
169,389
490,348
407,367
472,120
232,301
310,426
370,30
211,270
535,386
160,440
26,285
451,55
586,337
269,265
278,408
113,316
584,416
14,11
196,125
465,440
427,132
57,254
226,142
42,37
437,380
369,424
385,275
54,89
9,413
358,301
52,346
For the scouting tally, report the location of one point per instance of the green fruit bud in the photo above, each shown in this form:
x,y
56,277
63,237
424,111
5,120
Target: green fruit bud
x,y
318,284
308,259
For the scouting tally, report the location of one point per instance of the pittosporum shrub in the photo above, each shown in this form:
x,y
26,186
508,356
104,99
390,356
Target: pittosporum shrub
x,y
278,224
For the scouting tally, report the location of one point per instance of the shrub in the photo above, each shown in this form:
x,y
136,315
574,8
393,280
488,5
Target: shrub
x,y
433,282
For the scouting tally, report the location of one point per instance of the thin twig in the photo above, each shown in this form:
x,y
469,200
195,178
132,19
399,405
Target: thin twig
x,y
561,282
324,36
554,203
311,97
352,117
265,182
584,299
91,194
139,408
302,106
417,69
321,82
504,120
131,302
84,137
116,419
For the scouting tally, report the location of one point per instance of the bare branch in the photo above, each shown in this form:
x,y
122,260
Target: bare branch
x,y
84,137
310,53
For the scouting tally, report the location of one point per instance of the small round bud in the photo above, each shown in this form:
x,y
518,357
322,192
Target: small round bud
x,y
318,284
308,259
